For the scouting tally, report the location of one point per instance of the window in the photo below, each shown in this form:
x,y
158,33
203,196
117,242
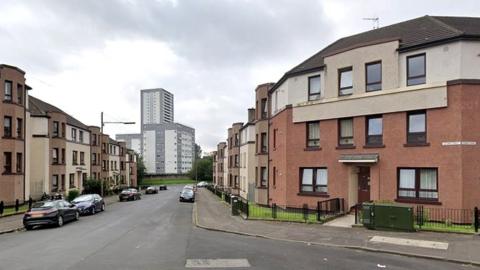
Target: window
x,y
94,159
313,134
345,130
7,127
80,135
345,81
8,91
264,108
63,130
63,155
275,138
418,183
314,180
374,130
373,76
19,162
263,176
274,176
236,139
54,183
19,127
416,127
104,165
74,158
55,131
314,87
416,69
7,165
237,161
55,156
82,158
20,94
71,180
263,142
74,134
94,139
235,181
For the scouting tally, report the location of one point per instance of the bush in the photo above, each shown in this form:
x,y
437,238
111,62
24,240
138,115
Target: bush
x,y
72,194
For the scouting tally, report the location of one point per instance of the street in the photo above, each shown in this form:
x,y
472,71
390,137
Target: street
x,y
157,233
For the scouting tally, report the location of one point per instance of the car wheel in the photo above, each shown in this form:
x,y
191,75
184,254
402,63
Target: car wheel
x,y
103,207
28,227
93,211
60,221
77,216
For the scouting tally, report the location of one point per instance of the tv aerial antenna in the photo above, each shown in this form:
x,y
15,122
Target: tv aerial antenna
x,y
375,21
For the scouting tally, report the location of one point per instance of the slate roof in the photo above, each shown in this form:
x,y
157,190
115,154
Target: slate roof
x,y
420,32
39,107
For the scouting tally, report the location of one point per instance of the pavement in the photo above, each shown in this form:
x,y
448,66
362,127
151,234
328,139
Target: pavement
x,y
156,232
14,223
213,214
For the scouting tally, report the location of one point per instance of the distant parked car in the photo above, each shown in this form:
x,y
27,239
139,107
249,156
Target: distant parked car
x,y
203,184
151,190
50,213
187,195
162,187
130,194
89,204
190,186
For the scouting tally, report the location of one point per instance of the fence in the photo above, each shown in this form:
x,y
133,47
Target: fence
x,y
324,211
442,219
439,219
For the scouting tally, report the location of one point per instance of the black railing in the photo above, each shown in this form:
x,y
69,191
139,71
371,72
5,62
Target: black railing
x,y
443,219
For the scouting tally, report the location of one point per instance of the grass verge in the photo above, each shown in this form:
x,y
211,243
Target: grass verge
x,y
11,210
435,227
160,181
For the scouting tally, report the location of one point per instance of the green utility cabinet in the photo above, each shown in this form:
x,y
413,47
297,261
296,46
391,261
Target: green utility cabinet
x,y
388,216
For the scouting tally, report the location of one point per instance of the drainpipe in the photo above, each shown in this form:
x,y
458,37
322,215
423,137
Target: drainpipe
x,y
268,154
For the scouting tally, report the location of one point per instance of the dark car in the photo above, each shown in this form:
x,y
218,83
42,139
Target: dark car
x,y
130,194
50,213
89,204
162,187
187,195
151,190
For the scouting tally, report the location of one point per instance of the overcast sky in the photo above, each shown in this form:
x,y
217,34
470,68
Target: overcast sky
x,y
88,56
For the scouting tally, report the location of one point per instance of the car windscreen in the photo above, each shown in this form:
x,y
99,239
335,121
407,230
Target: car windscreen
x,y
84,198
187,192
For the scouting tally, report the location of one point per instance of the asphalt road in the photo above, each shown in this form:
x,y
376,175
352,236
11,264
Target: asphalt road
x,y
157,233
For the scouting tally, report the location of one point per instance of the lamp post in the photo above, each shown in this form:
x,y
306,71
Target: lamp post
x,y
101,137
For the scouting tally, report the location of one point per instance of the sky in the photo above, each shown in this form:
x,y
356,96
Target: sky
x,y
89,56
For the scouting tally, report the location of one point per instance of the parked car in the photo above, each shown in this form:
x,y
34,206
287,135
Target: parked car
x,y
130,194
190,186
187,195
203,184
50,213
162,187
89,204
151,190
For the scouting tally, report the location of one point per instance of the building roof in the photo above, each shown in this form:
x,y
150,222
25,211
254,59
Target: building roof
x,y
41,108
420,32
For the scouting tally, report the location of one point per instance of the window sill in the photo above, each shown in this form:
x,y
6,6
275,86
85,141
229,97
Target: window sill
x,y
312,149
261,187
417,201
416,144
262,154
374,146
314,194
339,147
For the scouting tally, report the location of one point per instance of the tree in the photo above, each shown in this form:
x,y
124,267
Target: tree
x,y
141,169
202,169
198,152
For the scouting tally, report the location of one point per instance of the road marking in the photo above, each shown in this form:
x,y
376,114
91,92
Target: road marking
x,y
410,242
216,263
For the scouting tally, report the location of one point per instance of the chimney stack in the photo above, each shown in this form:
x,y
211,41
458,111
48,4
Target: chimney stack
x,y
251,115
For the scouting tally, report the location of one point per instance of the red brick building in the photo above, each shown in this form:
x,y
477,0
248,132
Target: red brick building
x,y
389,114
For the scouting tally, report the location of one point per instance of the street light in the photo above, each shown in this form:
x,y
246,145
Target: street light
x,y
101,136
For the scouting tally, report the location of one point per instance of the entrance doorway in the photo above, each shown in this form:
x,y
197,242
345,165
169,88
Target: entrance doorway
x,y
363,184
